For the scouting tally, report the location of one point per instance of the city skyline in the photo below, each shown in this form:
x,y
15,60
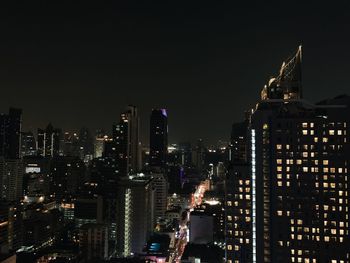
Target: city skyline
x,y
95,60
174,133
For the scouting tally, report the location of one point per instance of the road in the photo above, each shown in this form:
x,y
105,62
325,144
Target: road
x,y
183,233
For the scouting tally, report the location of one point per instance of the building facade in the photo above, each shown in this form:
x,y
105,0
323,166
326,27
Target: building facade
x,y
158,137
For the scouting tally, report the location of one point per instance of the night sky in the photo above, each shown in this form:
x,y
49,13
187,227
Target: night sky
x,y
206,62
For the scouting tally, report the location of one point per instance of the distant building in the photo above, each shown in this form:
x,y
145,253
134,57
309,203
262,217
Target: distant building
x,y
160,185
67,175
11,179
48,141
158,138
198,155
86,145
28,144
99,144
10,134
126,138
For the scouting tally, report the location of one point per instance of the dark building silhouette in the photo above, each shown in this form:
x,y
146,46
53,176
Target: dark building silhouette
x,y
86,146
67,174
10,134
48,141
127,142
158,137
28,144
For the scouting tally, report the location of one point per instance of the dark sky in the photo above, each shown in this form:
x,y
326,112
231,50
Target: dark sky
x,y
81,64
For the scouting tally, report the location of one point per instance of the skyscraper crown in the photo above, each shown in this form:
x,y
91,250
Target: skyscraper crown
x,y
287,85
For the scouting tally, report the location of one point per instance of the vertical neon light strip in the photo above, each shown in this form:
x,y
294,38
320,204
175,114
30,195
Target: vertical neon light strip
x,y
253,195
127,227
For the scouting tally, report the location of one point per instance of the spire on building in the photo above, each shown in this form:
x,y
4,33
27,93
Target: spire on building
x,y
287,85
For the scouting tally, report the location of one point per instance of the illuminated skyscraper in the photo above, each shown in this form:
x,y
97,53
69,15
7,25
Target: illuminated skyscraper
x,y
127,141
48,141
295,201
135,214
238,205
158,137
299,171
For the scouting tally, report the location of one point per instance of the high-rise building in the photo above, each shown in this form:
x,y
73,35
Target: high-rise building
x,y
48,141
11,179
297,196
135,214
160,185
28,144
299,170
86,145
40,142
10,134
158,138
99,143
198,155
127,141
67,175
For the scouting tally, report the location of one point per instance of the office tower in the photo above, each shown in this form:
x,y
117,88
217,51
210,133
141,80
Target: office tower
x,y
300,157
86,146
135,214
93,242
70,144
127,142
40,142
158,137
28,144
99,143
11,179
67,175
238,228
185,152
10,134
160,185
299,161
198,155
48,141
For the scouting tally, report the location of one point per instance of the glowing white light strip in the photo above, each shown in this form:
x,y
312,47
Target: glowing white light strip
x,y
253,195
127,218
